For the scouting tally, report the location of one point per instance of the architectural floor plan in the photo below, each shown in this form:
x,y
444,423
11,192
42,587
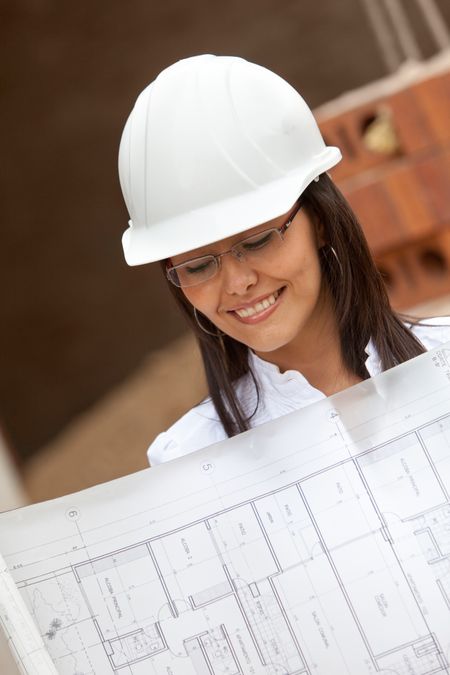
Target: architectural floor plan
x,y
318,544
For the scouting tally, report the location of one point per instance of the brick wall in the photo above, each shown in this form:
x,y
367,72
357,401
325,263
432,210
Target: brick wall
x,y
396,175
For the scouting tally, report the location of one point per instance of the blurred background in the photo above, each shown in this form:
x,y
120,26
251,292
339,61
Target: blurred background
x,y
95,360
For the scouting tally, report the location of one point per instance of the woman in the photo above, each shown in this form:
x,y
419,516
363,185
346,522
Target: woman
x,y
224,172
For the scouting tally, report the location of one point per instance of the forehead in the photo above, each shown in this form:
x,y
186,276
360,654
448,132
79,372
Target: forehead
x,y
225,244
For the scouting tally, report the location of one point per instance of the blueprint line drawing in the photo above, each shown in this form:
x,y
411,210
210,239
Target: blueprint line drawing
x,y
317,545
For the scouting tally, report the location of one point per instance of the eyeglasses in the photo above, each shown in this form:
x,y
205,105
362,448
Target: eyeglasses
x,y
257,248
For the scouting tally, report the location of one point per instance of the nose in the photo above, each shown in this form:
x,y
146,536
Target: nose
x,y
237,275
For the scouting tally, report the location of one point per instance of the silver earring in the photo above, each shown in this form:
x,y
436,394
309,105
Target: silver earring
x,y
217,334
337,259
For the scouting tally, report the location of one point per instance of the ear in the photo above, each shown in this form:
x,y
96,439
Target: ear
x,y
321,238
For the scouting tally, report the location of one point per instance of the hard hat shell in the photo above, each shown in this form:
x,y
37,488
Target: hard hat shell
x,y
214,146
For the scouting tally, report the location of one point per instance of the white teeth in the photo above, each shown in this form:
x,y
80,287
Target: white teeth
x,y
259,307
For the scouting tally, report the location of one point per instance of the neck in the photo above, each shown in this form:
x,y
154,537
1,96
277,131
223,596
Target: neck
x,y
317,354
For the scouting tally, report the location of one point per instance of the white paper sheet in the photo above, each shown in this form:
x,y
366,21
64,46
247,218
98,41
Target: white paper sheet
x,y
318,543
23,635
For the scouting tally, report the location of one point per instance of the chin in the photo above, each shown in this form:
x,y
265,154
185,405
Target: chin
x,y
264,345
262,338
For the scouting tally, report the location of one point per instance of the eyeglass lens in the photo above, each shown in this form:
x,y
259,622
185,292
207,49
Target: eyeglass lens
x,y
198,270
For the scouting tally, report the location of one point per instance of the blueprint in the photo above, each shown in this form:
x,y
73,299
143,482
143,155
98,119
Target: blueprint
x,y
316,544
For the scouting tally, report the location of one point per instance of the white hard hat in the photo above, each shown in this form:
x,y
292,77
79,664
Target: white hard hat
x,y
214,146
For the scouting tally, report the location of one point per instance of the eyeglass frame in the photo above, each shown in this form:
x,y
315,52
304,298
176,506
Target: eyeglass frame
x,y
239,255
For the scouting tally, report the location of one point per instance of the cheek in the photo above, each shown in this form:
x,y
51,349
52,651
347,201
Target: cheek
x,y
200,297
299,265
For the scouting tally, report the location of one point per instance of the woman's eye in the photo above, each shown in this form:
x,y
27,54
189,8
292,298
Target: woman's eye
x,y
258,242
197,269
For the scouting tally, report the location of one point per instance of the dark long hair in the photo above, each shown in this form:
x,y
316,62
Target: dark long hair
x,y
359,298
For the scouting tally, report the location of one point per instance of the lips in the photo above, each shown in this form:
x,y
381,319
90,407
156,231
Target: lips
x,y
260,307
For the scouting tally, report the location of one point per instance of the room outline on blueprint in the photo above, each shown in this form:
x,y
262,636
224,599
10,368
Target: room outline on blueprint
x,y
343,569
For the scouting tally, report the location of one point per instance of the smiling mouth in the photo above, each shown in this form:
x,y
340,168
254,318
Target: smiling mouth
x,y
259,307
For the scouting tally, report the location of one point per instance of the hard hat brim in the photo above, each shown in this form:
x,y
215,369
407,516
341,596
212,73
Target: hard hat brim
x,y
220,220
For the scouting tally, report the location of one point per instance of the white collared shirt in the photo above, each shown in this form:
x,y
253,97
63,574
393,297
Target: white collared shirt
x,y
280,393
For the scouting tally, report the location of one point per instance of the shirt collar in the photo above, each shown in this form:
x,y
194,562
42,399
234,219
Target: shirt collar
x,y
372,363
